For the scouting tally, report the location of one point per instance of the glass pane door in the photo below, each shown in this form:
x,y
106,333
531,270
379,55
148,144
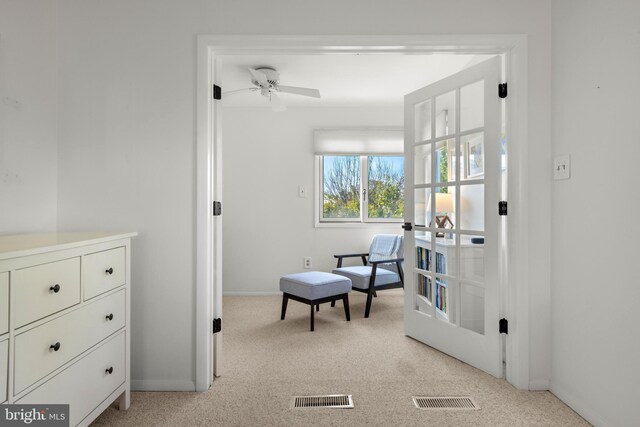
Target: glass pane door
x,y
453,176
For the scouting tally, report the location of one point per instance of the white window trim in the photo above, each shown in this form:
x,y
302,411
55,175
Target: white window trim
x,y
364,221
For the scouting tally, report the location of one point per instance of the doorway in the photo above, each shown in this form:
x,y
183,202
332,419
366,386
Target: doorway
x,y
209,178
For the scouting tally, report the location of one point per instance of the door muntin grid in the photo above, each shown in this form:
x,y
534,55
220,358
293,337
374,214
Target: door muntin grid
x,y
449,206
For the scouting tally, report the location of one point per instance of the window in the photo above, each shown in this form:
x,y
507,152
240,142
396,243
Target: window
x,y
360,175
361,188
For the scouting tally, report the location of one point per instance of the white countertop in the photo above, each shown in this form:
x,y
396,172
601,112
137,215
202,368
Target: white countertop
x,y
465,242
16,245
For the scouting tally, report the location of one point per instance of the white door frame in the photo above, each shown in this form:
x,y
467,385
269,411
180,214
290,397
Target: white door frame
x,y
515,298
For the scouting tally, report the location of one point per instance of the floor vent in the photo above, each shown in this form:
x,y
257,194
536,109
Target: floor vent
x,y
327,401
423,402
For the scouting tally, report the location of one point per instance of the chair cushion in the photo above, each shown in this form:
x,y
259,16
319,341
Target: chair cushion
x,y
386,246
314,285
361,274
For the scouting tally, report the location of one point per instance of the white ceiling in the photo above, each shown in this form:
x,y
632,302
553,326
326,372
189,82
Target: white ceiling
x,y
343,79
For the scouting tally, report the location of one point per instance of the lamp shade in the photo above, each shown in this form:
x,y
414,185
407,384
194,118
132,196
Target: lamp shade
x,y
444,203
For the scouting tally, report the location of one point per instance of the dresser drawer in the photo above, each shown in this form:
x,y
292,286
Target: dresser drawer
x,y
103,271
4,362
75,332
4,303
87,382
45,289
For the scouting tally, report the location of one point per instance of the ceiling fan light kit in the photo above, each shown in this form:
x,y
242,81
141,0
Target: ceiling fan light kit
x,y
267,81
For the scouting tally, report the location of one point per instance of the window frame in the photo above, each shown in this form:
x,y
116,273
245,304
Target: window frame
x,y
364,220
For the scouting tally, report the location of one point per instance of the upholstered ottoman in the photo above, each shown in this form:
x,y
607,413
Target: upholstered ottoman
x,y
315,288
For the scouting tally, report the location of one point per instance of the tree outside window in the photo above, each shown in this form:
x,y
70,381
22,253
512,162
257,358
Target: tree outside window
x,y
343,199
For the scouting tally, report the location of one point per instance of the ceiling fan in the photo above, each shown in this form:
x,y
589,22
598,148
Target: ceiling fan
x,y
267,81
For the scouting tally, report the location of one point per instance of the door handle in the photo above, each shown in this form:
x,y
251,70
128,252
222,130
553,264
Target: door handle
x,y
407,226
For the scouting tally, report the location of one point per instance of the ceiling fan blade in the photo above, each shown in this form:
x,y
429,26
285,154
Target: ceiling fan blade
x,y
276,102
247,89
260,77
304,91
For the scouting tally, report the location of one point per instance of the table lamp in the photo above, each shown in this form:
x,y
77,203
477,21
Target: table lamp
x,y
444,206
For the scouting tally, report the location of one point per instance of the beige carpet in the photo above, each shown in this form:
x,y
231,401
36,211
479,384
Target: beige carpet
x,y
268,360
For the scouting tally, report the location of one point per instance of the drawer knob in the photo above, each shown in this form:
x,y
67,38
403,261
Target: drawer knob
x,y
55,347
109,371
110,316
55,289
109,271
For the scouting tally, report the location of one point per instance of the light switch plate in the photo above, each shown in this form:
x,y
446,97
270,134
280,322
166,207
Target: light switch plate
x,y
562,167
302,192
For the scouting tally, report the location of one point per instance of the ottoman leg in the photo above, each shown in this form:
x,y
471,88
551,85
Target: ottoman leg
x,y
317,307
285,299
345,302
312,313
333,303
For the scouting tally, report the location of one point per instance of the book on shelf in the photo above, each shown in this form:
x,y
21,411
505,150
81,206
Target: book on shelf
x,y
422,258
441,296
423,286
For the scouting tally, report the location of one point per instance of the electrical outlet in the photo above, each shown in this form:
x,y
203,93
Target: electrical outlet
x,y
562,167
302,192
307,262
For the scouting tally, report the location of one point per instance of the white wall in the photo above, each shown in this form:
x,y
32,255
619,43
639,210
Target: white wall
x,y
127,126
28,131
268,229
595,232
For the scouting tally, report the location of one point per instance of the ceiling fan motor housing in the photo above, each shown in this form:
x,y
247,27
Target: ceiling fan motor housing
x,y
273,77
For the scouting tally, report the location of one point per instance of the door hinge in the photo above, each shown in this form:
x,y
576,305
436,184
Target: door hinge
x,y
502,90
217,325
217,92
502,208
503,326
217,208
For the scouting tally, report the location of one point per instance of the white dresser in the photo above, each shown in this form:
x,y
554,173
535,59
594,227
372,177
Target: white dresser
x,y
65,321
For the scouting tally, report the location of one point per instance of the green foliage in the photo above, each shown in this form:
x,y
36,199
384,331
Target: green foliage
x,y
342,188
443,165
386,189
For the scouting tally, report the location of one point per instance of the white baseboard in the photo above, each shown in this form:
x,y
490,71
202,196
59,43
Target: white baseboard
x,y
539,384
250,294
583,409
162,385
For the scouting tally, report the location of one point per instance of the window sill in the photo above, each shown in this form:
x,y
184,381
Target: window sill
x,y
379,225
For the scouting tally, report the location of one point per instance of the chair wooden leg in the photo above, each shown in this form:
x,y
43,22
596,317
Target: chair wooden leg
x,y
372,281
400,273
333,303
345,302
368,307
285,299
312,313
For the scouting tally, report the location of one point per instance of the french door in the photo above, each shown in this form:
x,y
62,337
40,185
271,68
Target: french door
x,y
453,185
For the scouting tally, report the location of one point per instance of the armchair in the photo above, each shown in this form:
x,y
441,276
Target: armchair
x,y
381,270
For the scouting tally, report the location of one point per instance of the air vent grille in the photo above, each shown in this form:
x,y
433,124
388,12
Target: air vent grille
x,y
423,402
327,401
